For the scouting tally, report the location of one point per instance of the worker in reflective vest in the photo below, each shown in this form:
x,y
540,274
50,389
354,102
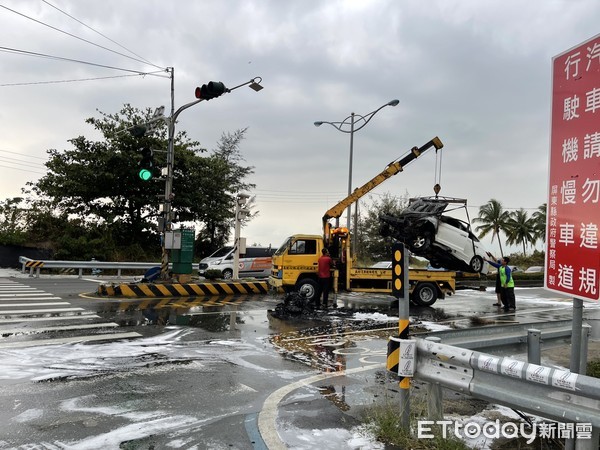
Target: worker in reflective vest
x,y
507,283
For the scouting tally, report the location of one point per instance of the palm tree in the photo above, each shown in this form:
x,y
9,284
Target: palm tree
x,y
519,229
539,223
492,218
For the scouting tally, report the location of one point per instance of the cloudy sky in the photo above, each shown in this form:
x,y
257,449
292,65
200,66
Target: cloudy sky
x,y
475,73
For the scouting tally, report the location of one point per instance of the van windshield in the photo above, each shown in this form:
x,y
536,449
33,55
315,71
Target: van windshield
x,y
221,252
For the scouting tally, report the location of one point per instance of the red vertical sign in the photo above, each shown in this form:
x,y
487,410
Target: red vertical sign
x,y
573,214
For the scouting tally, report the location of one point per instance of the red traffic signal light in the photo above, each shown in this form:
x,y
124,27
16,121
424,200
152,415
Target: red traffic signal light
x,y
211,90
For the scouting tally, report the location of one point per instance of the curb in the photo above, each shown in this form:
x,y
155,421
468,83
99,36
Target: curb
x,y
183,289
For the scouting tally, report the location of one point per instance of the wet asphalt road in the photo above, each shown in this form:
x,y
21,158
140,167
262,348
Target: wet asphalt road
x,y
203,370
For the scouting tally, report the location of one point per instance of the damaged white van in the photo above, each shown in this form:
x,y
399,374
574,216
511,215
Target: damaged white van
x,y
254,262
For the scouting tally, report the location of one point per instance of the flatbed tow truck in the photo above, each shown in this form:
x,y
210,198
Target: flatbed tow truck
x,y
295,262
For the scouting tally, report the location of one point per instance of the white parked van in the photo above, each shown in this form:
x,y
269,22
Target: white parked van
x,y
255,262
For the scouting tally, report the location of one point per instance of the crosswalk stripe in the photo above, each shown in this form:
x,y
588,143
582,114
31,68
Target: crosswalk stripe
x,y
27,312
17,288
41,294
35,304
45,319
31,311
89,338
83,326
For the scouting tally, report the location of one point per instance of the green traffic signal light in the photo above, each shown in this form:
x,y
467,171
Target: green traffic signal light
x,y
145,174
146,164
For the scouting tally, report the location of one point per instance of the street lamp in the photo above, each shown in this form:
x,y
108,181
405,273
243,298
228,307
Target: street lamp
x,y
351,121
213,90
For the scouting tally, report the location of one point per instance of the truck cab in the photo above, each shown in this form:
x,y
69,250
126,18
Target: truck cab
x,y
295,264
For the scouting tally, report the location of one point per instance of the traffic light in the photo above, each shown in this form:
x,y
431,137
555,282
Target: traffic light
x,y
211,90
146,164
137,131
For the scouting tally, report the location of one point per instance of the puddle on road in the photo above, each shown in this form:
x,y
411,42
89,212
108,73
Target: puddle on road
x,y
336,345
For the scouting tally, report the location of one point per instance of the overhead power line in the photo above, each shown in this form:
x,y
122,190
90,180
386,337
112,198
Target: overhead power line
x,y
79,38
80,79
60,58
97,32
9,160
24,170
20,154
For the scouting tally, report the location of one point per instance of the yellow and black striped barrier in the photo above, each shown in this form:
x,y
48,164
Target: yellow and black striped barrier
x,y
184,289
34,264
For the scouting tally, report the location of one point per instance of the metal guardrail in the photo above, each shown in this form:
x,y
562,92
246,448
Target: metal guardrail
x,y
496,336
91,266
553,393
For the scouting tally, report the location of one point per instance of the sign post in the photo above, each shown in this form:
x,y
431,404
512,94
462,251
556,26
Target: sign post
x,y
401,352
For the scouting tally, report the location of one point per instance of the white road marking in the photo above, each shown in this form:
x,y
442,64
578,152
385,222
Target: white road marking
x,y
41,294
71,340
84,316
267,418
12,305
35,311
83,326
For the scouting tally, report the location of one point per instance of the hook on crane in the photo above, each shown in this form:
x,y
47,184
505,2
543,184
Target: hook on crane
x,y
437,187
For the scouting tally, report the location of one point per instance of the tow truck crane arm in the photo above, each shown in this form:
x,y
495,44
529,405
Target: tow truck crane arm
x,y
392,169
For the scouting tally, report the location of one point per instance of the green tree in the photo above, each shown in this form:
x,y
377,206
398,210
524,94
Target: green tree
x,y
221,179
539,223
519,229
95,184
13,224
371,245
492,219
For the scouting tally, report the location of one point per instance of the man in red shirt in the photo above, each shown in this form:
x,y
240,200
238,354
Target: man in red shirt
x,y
325,264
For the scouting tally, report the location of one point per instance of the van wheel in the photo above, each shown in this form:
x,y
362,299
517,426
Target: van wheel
x,y
227,274
476,264
422,242
425,294
308,288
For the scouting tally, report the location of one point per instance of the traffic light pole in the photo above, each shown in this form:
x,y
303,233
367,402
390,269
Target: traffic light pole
x,y
168,219
167,208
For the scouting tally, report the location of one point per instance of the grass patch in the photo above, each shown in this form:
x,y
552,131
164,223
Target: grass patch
x,y
383,422
593,368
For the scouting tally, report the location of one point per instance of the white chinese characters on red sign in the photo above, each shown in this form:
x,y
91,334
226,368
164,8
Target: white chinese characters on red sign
x,y
572,250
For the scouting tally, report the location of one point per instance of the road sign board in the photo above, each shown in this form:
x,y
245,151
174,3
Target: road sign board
x,y
573,209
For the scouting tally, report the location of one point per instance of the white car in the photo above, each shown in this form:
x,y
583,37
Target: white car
x,y
444,240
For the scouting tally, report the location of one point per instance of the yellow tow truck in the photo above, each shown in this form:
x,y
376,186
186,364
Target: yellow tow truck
x,y
295,262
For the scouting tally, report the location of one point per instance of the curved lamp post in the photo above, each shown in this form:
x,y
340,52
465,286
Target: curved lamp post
x,y
351,122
